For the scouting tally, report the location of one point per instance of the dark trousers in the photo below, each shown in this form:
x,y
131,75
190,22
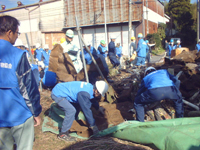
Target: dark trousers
x,y
113,59
72,110
158,94
148,57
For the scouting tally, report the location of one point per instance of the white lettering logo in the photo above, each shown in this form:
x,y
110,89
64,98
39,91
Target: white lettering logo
x,y
6,65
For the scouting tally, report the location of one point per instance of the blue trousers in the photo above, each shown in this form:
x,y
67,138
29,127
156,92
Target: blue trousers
x,y
140,61
72,110
158,94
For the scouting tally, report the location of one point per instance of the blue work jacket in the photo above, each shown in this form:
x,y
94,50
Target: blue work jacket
x,y
70,90
142,48
20,98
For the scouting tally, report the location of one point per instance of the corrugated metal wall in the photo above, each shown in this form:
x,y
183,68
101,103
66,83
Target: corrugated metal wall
x,y
91,12
156,6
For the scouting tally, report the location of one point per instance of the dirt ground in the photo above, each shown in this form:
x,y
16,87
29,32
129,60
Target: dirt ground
x,y
117,112
49,141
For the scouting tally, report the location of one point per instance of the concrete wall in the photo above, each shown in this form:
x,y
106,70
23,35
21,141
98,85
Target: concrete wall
x,y
37,18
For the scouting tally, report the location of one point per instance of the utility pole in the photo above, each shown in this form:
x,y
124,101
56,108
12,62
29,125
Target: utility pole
x,y
143,25
197,20
106,39
147,16
130,24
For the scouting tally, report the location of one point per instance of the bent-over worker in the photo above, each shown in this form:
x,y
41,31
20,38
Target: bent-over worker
x,y
76,95
158,85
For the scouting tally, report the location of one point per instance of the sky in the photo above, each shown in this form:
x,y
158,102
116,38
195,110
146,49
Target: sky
x,y
13,3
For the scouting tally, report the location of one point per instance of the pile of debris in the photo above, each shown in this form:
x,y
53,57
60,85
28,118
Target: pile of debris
x,y
126,84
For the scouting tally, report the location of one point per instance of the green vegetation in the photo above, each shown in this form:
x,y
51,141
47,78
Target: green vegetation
x,y
158,51
183,20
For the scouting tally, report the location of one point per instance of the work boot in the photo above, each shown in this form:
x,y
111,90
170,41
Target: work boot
x,y
66,137
94,129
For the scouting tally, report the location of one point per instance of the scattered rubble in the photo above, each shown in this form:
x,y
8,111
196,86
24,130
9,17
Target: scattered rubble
x,y
126,85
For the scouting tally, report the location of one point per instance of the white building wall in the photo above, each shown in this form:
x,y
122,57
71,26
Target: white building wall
x,y
153,16
95,35
38,18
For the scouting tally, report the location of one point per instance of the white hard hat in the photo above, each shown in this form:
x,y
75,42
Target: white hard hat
x,y
102,87
178,41
18,42
41,64
46,46
112,37
149,68
37,45
26,46
87,43
70,33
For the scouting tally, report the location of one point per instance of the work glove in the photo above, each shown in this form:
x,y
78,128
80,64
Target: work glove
x,y
101,110
134,52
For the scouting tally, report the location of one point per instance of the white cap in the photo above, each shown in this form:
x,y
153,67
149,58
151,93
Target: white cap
x,y
46,46
102,87
18,42
112,37
41,64
149,68
178,41
87,43
37,45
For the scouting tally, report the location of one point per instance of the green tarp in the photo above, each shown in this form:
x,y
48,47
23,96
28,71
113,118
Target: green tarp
x,y
174,134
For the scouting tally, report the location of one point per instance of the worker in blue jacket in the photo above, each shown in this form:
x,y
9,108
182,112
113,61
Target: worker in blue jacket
x,y
75,96
19,94
93,51
170,47
38,52
148,52
198,46
102,49
45,55
118,51
141,50
177,45
112,52
94,74
158,85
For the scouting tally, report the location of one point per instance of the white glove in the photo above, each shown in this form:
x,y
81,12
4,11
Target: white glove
x,y
134,52
101,110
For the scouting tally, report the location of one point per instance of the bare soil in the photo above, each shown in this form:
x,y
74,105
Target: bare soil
x,y
49,141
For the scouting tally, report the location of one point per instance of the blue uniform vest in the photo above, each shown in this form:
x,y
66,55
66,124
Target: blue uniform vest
x,y
197,47
88,58
13,109
69,90
119,51
9,64
175,46
170,48
39,54
141,50
156,79
104,49
46,56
